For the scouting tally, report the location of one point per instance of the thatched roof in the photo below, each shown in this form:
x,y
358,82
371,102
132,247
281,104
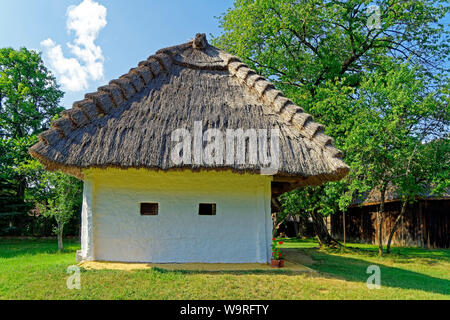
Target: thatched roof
x,y
128,123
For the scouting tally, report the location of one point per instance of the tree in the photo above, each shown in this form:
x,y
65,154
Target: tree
x,y
29,99
58,196
320,52
29,94
397,115
315,203
426,172
11,152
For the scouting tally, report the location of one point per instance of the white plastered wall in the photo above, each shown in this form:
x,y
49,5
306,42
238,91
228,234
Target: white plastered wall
x,y
114,230
87,227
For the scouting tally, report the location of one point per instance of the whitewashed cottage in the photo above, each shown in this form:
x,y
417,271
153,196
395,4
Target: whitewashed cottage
x,y
142,202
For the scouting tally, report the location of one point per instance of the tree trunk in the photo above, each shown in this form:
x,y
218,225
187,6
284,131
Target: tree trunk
x,y
60,238
321,231
380,233
380,216
276,210
343,225
276,223
296,227
396,224
22,185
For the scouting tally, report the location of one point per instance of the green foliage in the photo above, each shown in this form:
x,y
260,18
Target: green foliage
x,y
29,95
57,195
322,199
12,152
440,151
29,100
303,44
397,118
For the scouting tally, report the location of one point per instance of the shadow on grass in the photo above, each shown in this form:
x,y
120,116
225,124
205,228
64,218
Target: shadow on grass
x,y
354,269
370,249
330,264
230,272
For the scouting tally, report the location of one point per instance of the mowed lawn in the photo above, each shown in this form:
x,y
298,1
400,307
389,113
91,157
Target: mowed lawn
x,y
32,269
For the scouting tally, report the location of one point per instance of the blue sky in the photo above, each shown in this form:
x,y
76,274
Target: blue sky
x,y
126,32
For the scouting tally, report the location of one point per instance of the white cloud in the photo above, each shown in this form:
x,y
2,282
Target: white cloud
x,y
85,20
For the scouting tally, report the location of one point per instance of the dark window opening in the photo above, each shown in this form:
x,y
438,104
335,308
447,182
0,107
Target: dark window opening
x,y
149,209
207,209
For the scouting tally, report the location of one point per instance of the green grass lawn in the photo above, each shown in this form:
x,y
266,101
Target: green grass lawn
x,y
32,269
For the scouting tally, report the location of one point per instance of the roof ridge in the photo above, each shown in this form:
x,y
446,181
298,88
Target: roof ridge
x,y
284,107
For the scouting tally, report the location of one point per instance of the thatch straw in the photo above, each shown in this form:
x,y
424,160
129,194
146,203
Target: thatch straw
x,y
127,124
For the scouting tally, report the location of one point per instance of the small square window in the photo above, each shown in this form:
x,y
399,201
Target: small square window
x,y
149,209
207,209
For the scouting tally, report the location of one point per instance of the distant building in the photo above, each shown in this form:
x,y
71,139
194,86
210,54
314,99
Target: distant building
x,y
426,222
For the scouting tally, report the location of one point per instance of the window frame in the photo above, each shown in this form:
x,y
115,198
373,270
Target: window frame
x,y
212,209
151,213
